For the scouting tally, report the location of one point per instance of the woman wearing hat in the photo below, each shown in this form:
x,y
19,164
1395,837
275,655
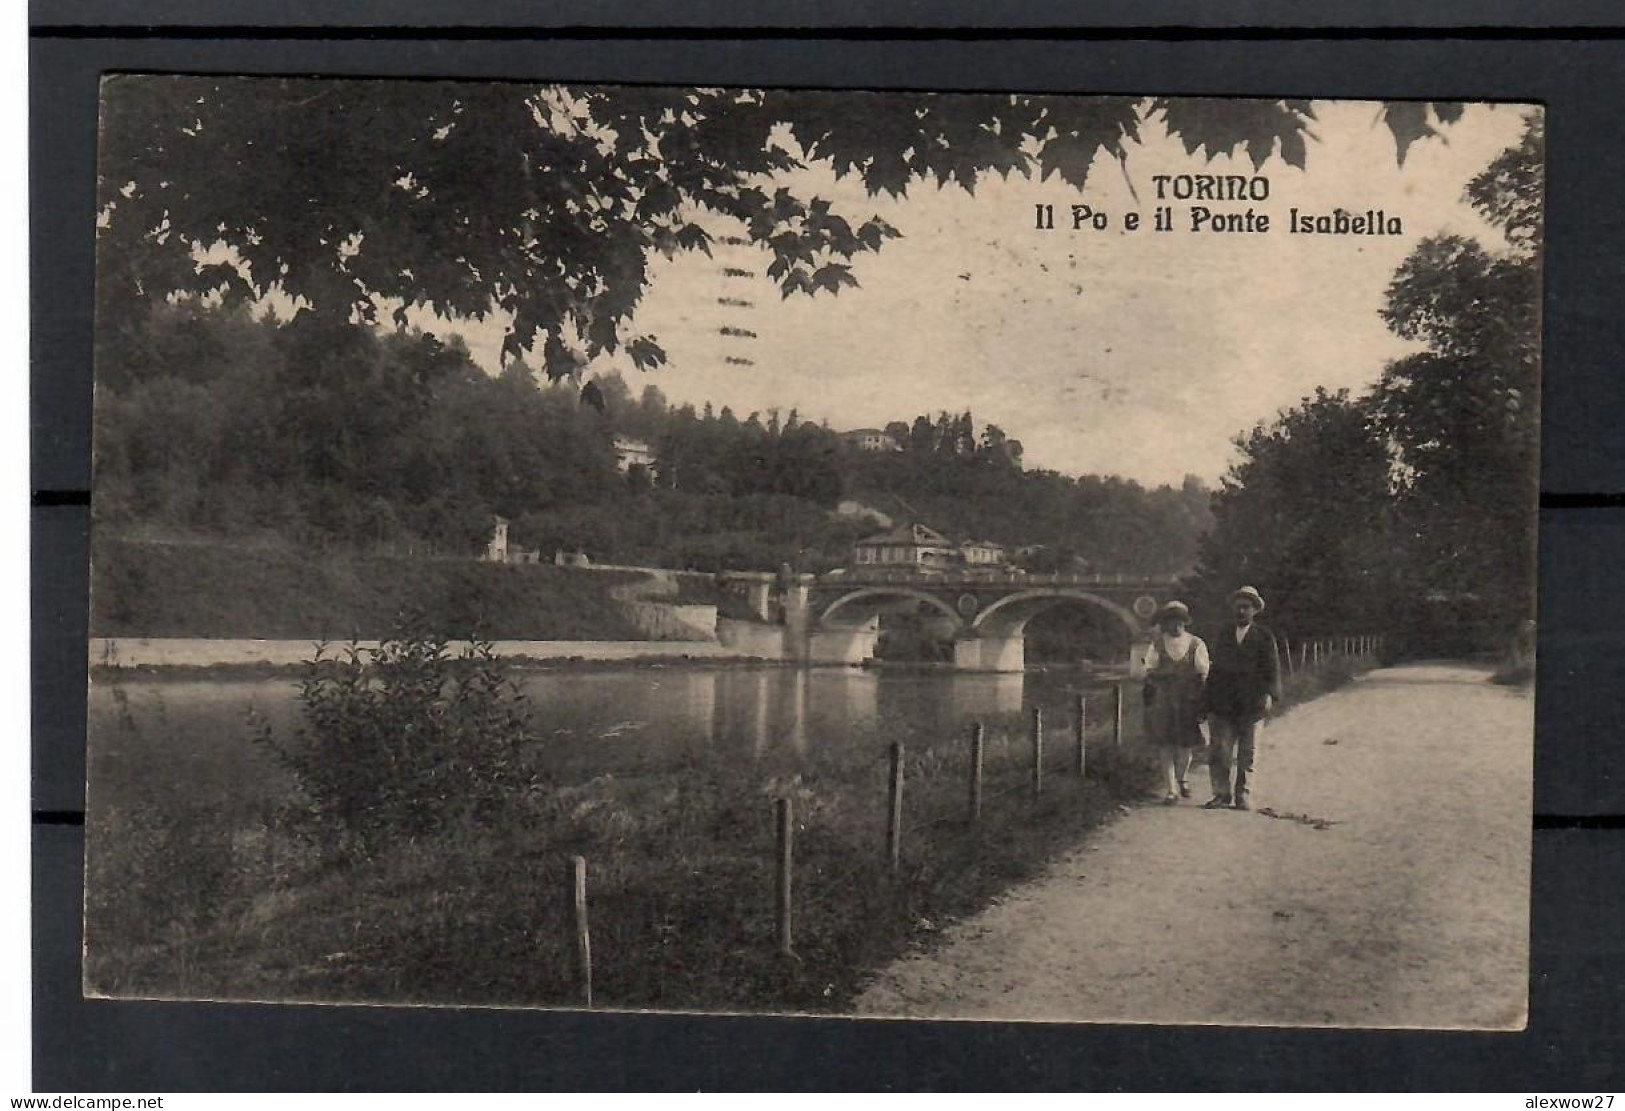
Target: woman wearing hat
x,y
1176,668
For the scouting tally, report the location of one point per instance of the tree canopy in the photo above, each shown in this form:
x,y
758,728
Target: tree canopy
x,y
1463,415
225,429
1412,508
545,203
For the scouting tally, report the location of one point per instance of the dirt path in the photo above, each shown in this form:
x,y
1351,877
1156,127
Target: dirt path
x,y
1410,910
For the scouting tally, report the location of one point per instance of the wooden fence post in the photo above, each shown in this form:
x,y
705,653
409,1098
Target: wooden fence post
x,y
1286,645
1117,715
977,750
894,809
1038,751
578,884
786,830
1303,656
1081,728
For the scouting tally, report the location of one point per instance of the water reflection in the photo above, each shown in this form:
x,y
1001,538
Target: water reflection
x,y
798,711
982,694
622,721
770,713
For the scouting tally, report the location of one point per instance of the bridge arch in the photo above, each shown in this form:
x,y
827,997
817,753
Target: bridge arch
x,y
1008,616
879,594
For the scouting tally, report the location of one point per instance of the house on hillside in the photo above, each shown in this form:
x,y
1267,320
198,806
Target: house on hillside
x,y
981,553
870,439
631,453
908,546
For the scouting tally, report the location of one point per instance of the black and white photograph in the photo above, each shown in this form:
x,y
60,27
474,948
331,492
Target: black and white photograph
x,y
874,555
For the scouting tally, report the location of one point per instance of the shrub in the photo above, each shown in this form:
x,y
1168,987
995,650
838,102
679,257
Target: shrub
x,y
405,740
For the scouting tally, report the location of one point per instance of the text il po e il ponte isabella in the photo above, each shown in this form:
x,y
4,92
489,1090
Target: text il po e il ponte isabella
x,y
1196,194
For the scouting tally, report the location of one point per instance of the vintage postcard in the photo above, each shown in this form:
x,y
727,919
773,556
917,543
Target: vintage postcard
x,y
1009,557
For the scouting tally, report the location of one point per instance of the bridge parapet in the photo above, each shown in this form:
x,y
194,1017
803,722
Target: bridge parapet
x,y
1004,580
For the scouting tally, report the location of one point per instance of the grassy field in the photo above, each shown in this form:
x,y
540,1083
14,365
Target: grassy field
x,y
190,899
155,589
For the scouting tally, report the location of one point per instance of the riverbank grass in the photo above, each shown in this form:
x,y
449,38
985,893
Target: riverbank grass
x,y
194,901
156,589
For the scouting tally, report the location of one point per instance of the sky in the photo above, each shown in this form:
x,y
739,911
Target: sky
x,y
1139,354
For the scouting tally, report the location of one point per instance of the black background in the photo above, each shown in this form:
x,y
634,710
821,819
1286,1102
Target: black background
x,y
1568,57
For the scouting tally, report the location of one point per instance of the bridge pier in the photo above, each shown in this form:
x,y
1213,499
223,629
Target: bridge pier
x,y
991,653
794,595
756,587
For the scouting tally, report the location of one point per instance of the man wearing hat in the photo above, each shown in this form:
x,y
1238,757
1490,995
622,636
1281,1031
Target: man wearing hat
x,y
1243,686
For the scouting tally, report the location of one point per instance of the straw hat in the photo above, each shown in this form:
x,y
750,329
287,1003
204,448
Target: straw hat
x,y
1251,595
1174,609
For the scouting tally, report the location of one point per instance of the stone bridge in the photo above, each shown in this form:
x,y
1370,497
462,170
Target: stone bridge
x,y
988,612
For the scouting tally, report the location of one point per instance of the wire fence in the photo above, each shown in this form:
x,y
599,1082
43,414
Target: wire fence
x,y
906,816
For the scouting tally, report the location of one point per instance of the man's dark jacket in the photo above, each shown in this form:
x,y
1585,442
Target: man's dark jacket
x,y
1240,675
